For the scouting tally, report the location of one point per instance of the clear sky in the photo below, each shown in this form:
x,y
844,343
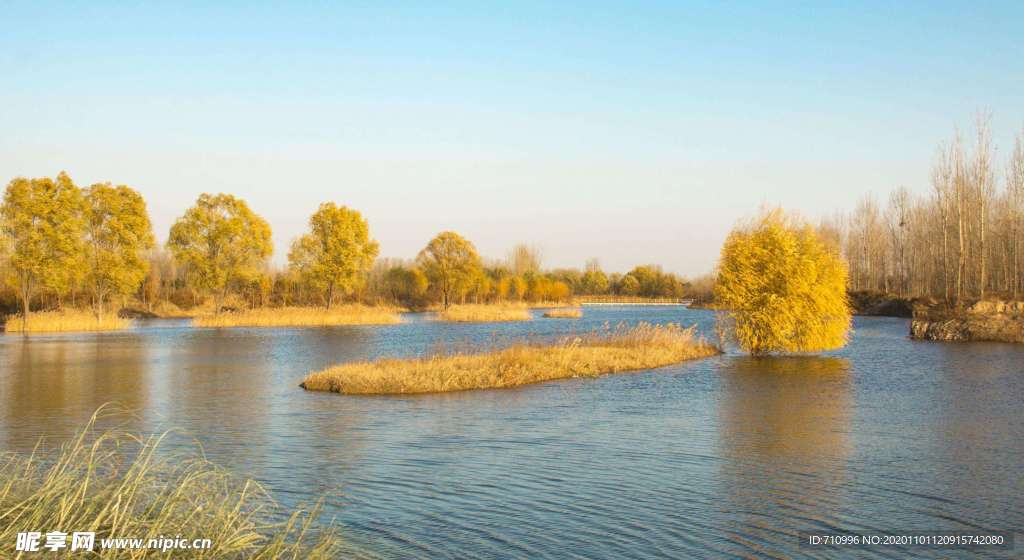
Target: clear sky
x,y
633,132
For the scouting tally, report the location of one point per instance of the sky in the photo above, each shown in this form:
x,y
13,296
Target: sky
x,y
633,132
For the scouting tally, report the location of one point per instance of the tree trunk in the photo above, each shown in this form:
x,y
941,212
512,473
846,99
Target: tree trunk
x,y
24,311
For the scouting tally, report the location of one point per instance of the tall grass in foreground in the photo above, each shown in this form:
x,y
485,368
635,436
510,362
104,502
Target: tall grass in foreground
x,y
67,320
481,313
564,314
623,349
118,485
354,314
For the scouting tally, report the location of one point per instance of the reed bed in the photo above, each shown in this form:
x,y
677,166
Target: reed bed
x,y
564,314
597,353
354,314
480,313
67,320
121,485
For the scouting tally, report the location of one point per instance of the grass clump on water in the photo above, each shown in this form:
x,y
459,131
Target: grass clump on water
x,y
481,313
611,351
353,314
564,314
121,485
66,320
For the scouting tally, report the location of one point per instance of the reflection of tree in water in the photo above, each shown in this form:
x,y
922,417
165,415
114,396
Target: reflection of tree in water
x,y
63,380
784,424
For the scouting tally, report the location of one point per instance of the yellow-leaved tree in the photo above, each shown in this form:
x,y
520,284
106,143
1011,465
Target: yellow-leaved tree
x,y
222,242
451,263
42,221
783,286
336,253
117,234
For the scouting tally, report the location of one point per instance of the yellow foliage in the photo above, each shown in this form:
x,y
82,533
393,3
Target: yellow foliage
x,y
354,314
624,349
785,288
68,320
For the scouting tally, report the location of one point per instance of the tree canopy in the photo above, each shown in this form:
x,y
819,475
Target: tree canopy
x,y
221,241
42,220
785,288
117,233
337,251
451,263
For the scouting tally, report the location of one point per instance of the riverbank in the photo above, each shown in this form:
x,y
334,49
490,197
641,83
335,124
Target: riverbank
x,y
67,320
564,313
624,349
124,485
997,321
878,304
353,314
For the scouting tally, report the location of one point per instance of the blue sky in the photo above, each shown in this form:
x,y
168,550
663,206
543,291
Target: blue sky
x,y
633,132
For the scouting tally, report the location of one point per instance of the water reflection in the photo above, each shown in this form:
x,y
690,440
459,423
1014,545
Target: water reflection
x,y
63,383
784,438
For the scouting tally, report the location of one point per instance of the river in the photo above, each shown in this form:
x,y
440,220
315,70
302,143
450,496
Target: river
x,y
724,457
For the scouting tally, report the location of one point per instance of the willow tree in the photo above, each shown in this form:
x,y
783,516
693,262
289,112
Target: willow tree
x,y
451,263
784,287
221,242
336,252
117,235
42,220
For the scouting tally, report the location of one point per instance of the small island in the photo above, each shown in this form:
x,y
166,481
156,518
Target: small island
x,y
623,349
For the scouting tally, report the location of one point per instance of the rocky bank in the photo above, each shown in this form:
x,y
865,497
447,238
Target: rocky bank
x,y
999,321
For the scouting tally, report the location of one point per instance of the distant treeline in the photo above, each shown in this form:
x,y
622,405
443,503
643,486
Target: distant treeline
x,y
63,245
963,240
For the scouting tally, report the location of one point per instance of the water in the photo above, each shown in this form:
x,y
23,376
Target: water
x,y
723,457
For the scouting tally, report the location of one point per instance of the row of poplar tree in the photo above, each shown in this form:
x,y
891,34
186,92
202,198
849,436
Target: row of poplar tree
x,y
963,239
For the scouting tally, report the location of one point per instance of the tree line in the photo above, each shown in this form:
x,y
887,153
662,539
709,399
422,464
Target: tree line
x,y
61,244
962,240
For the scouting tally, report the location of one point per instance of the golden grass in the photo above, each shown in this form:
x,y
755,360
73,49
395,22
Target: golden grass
x,y
354,314
564,314
121,485
480,313
623,349
67,320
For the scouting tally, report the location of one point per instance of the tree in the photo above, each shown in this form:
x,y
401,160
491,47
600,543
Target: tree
x,y
336,252
450,263
42,220
784,287
117,233
594,280
221,241
629,286
525,259
406,285
1015,202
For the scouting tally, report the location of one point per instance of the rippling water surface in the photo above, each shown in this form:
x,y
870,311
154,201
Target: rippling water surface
x,y
724,457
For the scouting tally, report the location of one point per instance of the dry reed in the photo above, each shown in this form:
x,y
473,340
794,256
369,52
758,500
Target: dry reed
x,y
611,351
354,314
67,320
564,314
480,313
121,485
